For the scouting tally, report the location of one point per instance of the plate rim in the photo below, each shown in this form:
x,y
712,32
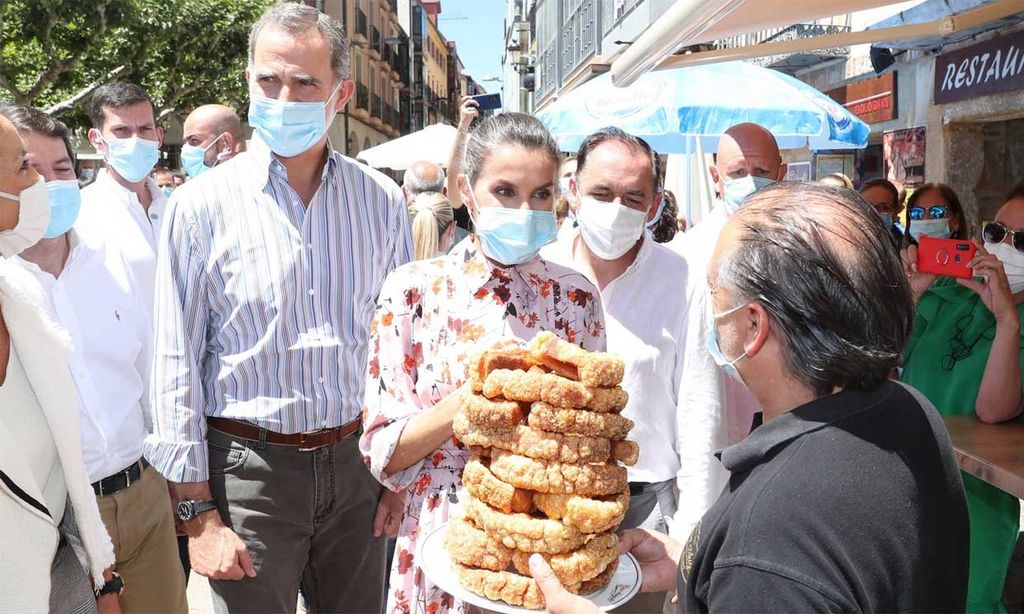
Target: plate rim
x,y
500,606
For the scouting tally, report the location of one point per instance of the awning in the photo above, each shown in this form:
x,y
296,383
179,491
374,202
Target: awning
x,y
933,10
692,22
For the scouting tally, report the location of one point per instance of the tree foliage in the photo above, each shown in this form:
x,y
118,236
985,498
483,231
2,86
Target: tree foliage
x,y
53,53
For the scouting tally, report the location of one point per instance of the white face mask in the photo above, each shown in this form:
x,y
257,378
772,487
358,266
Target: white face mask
x,y
33,219
1013,263
609,229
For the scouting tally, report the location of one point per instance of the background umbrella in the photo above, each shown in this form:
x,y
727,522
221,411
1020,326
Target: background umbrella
x,y
433,144
702,102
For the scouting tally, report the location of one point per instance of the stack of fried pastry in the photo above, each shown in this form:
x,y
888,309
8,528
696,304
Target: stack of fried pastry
x,y
546,475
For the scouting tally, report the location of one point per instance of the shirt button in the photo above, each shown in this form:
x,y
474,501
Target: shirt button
x,y
312,291
321,380
153,216
309,245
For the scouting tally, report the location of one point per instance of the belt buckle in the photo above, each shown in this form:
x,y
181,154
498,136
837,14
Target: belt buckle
x,y
302,441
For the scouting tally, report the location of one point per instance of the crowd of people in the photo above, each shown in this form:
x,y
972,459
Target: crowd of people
x,y
253,375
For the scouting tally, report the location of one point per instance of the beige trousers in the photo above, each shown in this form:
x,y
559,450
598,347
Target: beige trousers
x,y
141,526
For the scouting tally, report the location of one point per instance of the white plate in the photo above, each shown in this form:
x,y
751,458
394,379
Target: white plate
x,y
437,565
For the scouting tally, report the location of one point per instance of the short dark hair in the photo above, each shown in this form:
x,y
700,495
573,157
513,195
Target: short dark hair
x,y
27,119
116,96
619,135
668,224
948,195
819,261
882,182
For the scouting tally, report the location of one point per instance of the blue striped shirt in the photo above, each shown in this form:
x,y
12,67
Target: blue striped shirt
x,y
263,306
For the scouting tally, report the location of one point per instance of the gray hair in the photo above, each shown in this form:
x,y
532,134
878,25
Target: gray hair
x,y
416,184
820,262
297,19
504,130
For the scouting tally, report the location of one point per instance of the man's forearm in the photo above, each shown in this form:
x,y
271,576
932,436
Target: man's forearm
x,y
196,491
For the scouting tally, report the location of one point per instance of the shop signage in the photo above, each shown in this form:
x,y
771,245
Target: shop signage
x,y
993,66
872,100
903,156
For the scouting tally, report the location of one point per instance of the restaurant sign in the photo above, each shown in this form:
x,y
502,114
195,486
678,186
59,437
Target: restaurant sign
x,y
989,67
872,100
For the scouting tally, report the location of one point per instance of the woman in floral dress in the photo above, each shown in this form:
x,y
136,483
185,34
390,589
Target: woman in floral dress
x,y
432,315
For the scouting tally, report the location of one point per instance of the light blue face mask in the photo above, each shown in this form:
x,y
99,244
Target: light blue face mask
x,y
133,157
738,190
887,222
937,229
715,347
167,190
193,158
65,203
513,236
289,128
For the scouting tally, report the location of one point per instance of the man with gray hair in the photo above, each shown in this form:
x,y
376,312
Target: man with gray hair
x,y
423,176
266,290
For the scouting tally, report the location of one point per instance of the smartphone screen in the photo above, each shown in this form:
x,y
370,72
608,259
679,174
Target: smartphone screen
x,y
488,102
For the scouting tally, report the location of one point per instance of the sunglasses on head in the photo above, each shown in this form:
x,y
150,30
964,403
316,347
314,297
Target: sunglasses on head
x,y
995,232
938,212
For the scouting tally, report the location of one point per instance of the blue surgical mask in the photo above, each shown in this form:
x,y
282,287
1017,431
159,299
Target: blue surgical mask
x,y
715,347
513,236
193,158
887,222
65,203
132,157
167,190
289,128
737,191
937,229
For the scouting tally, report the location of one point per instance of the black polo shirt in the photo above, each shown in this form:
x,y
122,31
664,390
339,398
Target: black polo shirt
x,y
850,503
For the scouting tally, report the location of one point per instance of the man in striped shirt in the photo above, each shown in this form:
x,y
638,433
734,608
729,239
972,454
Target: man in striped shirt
x,y
266,285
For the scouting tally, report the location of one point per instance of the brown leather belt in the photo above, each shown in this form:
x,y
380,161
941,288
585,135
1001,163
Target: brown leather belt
x,y
303,441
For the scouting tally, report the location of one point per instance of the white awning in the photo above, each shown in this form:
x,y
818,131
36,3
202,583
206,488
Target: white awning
x,y
691,22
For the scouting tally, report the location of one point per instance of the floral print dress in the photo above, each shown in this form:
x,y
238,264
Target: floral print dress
x,y
432,315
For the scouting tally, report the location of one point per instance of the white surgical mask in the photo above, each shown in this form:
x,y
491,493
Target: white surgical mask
x,y
937,229
33,219
1013,263
609,229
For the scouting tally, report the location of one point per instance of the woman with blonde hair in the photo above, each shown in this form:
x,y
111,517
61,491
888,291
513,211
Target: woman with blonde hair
x,y
433,225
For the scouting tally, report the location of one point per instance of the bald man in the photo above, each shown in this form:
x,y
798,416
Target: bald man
x,y
422,176
213,134
748,159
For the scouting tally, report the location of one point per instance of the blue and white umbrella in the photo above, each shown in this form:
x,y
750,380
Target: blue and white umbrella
x,y
702,102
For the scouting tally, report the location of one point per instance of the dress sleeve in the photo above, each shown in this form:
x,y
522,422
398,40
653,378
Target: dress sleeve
x,y
391,399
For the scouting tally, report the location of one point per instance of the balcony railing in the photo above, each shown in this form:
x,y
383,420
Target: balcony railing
x,y
376,107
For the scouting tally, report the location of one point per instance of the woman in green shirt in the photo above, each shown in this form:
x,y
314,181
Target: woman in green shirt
x,y
965,356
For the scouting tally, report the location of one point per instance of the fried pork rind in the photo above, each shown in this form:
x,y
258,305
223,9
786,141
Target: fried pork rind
x,y
601,581
522,531
568,360
493,413
471,546
578,566
506,586
578,422
602,400
514,385
482,484
535,443
553,477
589,515
626,452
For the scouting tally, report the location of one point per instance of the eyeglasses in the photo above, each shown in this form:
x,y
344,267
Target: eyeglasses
x,y
995,232
938,212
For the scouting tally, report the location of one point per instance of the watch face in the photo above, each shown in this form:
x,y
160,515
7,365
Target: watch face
x,y
185,510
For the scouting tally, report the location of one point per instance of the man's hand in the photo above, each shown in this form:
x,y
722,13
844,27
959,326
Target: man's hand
x,y
108,604
658,555
216,551
390,511
558,600
469,110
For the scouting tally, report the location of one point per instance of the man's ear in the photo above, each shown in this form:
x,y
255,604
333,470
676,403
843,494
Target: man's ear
x,y
348,87
94,138
655,207
159,136
783,171
758,328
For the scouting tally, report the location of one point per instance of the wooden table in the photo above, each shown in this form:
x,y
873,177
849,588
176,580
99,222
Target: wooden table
x,y
992,452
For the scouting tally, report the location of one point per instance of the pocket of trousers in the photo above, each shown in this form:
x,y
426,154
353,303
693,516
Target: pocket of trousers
x,y
225,454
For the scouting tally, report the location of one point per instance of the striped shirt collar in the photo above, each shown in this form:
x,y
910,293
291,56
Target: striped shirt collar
x,y
266,162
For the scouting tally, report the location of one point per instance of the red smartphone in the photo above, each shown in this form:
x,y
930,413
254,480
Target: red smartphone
x,y
945,257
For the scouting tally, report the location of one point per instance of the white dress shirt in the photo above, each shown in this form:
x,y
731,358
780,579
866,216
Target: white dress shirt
x,y
670,377
113,213
697,246
96,300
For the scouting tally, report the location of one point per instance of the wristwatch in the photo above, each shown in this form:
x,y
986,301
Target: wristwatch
x,y
190,508
113,585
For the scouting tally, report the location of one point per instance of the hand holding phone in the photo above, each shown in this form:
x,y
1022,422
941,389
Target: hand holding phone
x,y
948,257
